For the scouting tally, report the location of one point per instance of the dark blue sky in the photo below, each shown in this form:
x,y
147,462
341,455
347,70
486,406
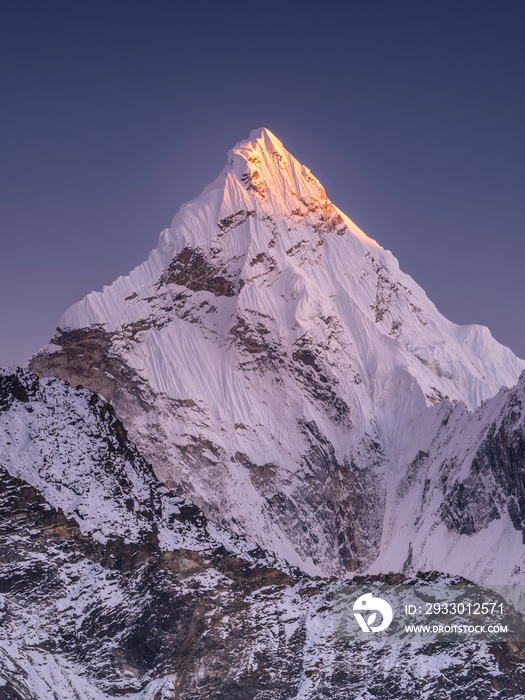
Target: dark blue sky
x,y
115,113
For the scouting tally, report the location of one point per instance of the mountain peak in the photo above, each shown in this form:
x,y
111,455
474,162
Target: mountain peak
x,y
263,166
261,182
265,136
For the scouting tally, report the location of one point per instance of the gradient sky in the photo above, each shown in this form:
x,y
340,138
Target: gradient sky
x,y
115,113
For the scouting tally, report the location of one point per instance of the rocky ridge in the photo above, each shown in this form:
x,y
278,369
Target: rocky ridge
x,y
141,597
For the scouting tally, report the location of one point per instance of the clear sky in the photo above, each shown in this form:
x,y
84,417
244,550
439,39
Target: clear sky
x,y
115,113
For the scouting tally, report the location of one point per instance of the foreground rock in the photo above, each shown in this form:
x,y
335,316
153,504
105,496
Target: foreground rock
x,y
112,587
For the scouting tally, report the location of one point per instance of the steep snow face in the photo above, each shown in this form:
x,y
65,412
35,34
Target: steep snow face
x,y
268,358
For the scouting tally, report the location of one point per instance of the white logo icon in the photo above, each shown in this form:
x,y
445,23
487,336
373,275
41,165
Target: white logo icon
x,y
366,603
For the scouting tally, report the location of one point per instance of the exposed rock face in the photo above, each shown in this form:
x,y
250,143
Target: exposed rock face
x,y
141,597
497,473
465,476
270,360
192,270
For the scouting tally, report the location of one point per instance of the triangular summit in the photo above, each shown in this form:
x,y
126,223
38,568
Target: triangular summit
x,y
269,358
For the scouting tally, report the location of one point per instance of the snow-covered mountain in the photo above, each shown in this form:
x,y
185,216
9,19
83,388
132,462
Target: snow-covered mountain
x,y
275,365
112,587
